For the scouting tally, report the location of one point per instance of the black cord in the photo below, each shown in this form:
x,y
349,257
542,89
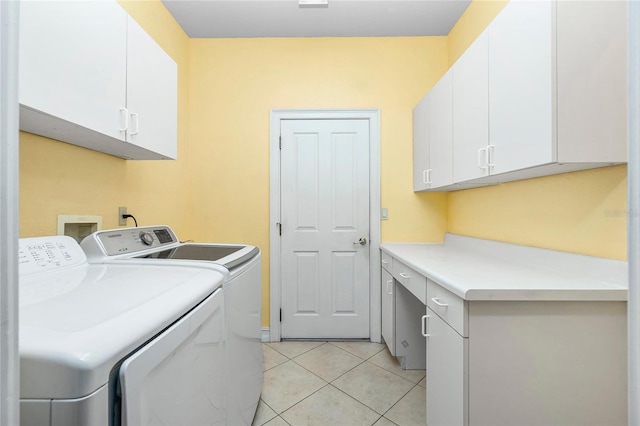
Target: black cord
x,y
131,216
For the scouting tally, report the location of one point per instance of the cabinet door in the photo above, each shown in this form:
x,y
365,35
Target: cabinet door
x,y
471,111
421,145
441,132
521,87
447,374
152,94
72,64
388,311
592,81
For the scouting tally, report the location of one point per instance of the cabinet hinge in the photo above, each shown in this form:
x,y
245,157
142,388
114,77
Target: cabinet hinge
x,y
280,315
280,142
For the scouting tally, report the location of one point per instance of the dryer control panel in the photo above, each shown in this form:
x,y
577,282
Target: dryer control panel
x,y
40,254
126,241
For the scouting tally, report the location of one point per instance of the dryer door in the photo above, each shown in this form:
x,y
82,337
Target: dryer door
x,y
177,377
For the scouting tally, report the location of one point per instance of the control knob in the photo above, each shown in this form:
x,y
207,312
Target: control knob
x,y
146,238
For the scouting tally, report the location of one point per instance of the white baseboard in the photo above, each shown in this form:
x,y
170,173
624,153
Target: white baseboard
x,y
265,334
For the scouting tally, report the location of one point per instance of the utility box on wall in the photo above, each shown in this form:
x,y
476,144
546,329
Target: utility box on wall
x,y
78,227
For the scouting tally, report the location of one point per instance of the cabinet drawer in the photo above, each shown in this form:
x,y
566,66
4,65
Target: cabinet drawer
x,y
386,262
411,280
451,308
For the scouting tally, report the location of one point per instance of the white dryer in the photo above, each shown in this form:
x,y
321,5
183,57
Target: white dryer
x,y
117,344
241,264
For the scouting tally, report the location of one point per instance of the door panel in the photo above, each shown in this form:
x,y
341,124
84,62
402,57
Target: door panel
x,y
324,213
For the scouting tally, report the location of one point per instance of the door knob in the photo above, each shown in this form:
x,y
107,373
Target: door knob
x,y
362,241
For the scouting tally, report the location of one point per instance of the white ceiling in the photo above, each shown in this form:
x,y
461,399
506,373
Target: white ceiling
x,y
342,18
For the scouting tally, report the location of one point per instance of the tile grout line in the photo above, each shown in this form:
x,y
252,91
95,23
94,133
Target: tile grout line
x,y
302,353
401,398
372,356
351,353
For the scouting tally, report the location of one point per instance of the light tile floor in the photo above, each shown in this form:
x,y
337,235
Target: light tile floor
x,y
338,383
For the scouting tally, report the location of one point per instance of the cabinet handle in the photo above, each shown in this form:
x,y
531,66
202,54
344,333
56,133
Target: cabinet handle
x,y
438,302
386,262
389,289
124,119
425,325
426,176
482,155
490,156
403,275
134,119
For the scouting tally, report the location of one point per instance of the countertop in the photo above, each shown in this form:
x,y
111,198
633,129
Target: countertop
x,y
476,269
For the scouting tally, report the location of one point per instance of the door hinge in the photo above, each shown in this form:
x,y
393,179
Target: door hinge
x,y
280,315
280,142
279,225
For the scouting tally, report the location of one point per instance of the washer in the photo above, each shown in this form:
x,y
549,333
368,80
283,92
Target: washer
x,y
241,264
117,344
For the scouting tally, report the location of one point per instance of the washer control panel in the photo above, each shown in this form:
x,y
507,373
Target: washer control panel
x,y
128,240
41,254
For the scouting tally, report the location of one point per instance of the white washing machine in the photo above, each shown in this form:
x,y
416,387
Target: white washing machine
x,y
117,344
241,264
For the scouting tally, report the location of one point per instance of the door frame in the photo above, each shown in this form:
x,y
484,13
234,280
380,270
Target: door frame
x,y
275,270
9,194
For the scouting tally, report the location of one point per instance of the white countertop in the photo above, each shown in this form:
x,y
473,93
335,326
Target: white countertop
x,y
476,269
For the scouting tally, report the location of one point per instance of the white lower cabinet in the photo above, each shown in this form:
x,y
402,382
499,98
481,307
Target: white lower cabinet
x,y
525,363
508,342
447,366
388,311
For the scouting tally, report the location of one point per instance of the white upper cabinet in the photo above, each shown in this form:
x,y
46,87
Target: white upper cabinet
x,y
520,87
152,94
441,133
79,84
592,81
433,138
542,91
421,158
471,112
73,64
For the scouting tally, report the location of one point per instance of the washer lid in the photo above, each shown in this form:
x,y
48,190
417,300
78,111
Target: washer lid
x,y
77,323
227,255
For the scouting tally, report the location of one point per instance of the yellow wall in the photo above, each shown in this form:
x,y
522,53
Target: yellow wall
x,y
236,82
582,212
58,178
472,22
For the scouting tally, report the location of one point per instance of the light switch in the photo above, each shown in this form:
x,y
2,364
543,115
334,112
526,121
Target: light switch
x,y
384,214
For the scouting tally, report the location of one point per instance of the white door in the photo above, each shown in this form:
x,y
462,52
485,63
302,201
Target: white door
x,y
325,228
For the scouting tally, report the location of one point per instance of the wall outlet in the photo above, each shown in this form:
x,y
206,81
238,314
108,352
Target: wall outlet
x,y
122,221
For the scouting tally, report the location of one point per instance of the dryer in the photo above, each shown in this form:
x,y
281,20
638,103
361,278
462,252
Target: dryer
x,y
241,265
117,344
